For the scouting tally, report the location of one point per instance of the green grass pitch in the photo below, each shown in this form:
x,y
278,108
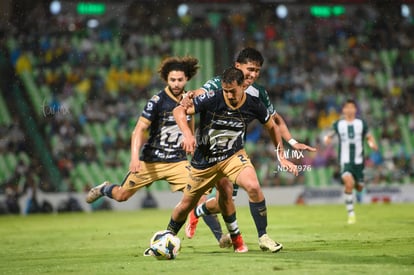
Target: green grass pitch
x,y
316,240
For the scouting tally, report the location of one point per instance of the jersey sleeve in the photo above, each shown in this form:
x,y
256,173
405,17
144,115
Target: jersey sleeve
x,y
264,97
213,84
206,101
151,108
365,129
335,127
263,114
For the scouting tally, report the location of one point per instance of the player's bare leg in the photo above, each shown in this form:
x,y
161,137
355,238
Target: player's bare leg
x,y
181,210
184,207
212,205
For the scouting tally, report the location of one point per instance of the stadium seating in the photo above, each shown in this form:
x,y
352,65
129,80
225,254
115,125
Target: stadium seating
x,y
5,118
319,177
8,165
86,172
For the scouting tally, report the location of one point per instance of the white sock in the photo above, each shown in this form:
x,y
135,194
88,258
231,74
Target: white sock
x,y
349,203
199,211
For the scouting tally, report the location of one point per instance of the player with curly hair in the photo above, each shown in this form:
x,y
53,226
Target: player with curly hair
x,y
161,157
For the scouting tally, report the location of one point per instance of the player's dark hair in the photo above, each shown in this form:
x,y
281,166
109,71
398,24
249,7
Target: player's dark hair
x,y
187,64
250,55
350,101
232,74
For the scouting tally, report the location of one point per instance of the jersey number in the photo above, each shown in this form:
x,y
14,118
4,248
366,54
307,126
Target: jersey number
x,y
222,140
242,158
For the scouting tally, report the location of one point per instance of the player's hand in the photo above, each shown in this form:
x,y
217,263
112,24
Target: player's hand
x,y
188,144
187,100
327,140
372,145
289,166
134,166
303,146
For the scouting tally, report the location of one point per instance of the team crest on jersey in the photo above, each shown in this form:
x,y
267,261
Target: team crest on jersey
x,y
155,98
210,93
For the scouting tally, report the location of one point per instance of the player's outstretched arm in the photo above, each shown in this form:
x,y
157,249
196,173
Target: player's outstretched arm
x,y
327,139
287,135
371,142
180,115
274,133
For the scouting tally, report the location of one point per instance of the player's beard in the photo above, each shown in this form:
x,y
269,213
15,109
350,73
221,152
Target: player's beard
x,y
233,102
176,91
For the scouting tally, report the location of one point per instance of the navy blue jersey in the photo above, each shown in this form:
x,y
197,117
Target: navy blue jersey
x,y
165,137
222,128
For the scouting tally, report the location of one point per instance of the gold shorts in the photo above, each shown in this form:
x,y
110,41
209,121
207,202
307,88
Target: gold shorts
x,y
201,181
176,173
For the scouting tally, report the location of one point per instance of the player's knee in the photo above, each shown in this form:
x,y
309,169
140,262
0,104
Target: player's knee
x,y
255,192
225,190
253,188
360,187
224,181
120,195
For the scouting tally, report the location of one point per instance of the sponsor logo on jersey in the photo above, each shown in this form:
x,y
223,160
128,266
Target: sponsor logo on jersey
x,y
150,105
155,98
210,93
237,124
169,118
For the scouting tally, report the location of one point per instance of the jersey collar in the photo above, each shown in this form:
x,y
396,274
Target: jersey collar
x,y
170,94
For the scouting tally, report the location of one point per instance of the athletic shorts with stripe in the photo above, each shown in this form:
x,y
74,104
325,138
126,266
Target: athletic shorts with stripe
x,y
202,180
356,170
176,173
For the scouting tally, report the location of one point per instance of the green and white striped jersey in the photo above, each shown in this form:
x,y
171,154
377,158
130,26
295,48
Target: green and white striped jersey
x,y
351,140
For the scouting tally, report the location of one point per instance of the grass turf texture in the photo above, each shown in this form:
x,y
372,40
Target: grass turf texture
x,y
316,240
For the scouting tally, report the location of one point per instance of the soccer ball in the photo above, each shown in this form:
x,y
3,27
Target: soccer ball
x,y
164,245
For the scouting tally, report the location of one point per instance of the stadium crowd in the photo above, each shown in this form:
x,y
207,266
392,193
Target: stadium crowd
x,y
94,77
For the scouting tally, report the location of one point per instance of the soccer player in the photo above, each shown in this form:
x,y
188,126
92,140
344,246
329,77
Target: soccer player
x,y
224,116
162,157
249,61
351,132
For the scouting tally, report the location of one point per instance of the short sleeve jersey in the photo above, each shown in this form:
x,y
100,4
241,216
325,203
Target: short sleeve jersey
x,y
351,140
222,128
255,90
164,142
